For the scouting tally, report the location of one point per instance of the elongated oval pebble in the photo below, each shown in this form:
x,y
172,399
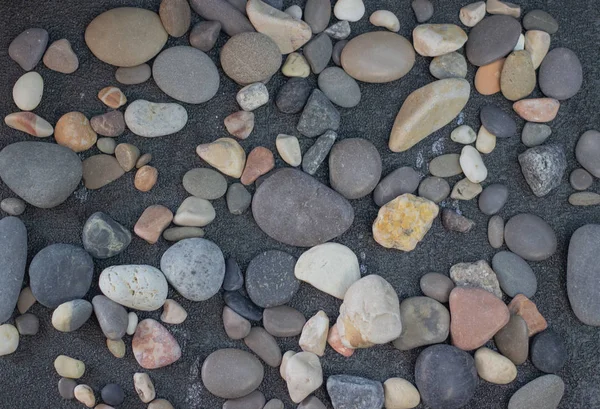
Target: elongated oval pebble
x,y
486,141
151,119
28,91
472,165
30,123
68,367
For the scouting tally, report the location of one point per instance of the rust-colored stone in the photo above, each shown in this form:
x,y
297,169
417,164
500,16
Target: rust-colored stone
x,y
30,123
487,78
526,309
537,109
335,342
152,222
240,124
260,161
73,130
145,178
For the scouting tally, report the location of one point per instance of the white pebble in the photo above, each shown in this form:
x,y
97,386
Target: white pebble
x,y
132,323
303,375
520,44
284,360
28,90
289,149
472,14
350,10
472,165
85,395
151,119
252,96
314,334
140,287
385,18
463,134
194,212
9,339
486,142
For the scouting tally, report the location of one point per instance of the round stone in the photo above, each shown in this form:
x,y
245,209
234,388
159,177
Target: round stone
x,y
109,124
12,206
497,122
464,134
561,74
514,274
400,394
530,237
74,131
28,91
231,373
518,77
580,179
270,279
492,38
548,352
103,237
250,57
434,188
112,394
400,181
186,74
587,152
70,316
106,145
283,321
339,87
151,119
436,286
445,166
451,65
493,198
205,183
354,167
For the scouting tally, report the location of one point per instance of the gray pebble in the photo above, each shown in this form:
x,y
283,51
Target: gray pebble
x,y
445,166
351,392
294,10
238,199
236,326
425,321
318,52
423,10
587,152
548,351
13,253
584,199
264,345
112,394
234,279
274,404
400,181
434,188
112,317
66,388
493,198
492,38
13,206
254,400
455,222
242,305
560,75
535,134
28,324
106,145
339,87
28,47
283,321
270,279
204,35
580,179
103,237
205,183
354,167
221,381
319,115
339,31
181,233
436,286
544,392
337,52
451,65
543,168
530,237
514,274
513,340
540,20
312,402
317,14
293,95
496,231
70,316
133,75
316,154
497,122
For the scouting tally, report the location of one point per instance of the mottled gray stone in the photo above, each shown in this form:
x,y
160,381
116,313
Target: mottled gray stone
x,y
530,237
66,388
492,38
535,134
493,198
28,47
580,179
497,122
543,168
318,52
270,279
540,20
13,253
283,321
477,275
316,154
545,392
339,87
514,274
424,322
456,222
293,95
238,198
354,167
205,183
451,65
548,352
112,317
400,181
221,381
103,237
587,152
339,31
319,115
354,392
434,188
13,206
436,286
560,75
423,10
264,346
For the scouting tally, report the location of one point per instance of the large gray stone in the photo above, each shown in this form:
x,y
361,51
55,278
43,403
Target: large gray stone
x,y
544,392
103,237
514,274
13,253
543,168
530,237
231,373
354,392
354,167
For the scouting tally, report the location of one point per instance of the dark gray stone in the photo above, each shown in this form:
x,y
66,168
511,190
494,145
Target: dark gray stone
x,y
60,273
28,324
535,134
278,4
242,305
530,237
456,222
234,280
436,286
205,183
317,14
319,115
514,274
232,20
423,10
336,54
238,198
402,180
451,65
204,35
354,392
492,38
296,209
493,198
354,167
270,279
103,237
28,47
66,388
339,87
543,168
497,122
548,352
434,188
513,340
264,346
316,154
545,392
240,5
318,52
446,377
13,206
194,267
293,95
561,74
111,316
424,322
540,20
581,179
112,394
312,402
583,274
283,321
219,379
13,253
43,174
254,400
75,313
587,152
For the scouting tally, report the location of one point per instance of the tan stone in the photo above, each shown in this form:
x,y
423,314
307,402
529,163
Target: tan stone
x,y
537,109
400,394
288,148
314,334
73,130
518,76
127,155
175,16
487,78
68,367
260,161
288,33
493,367
145,178
224,154
432,40
61,58
486,141
144,387
296,66
503,7
160,404
284,360
335,342
465,190
143,160
26,300
472,14
426,110
526,309
152,222
240,124
30,123
385,18
403,222
537,42
112,97
117,348
173,312
100,170
85,395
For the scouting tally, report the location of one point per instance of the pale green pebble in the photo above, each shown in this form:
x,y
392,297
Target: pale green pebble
x,y
68,367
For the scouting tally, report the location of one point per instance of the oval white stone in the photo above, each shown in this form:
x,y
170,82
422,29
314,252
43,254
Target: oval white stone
x,y
289,149
194,212
385,18
9,339
493,367
463,134
140,287
349,10
472,165
132,322
28,91
152,119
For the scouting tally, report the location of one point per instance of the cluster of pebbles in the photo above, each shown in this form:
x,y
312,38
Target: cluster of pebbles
x,y
466,306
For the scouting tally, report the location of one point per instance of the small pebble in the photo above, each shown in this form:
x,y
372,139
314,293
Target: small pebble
x,y
270,267
73,130
242,305
112,317
423,10
175,234
303,374
153,346
295,11
283,321
346,390
580,179
503,7
318,52
259,162
132,322
293,95
314,334
112,97
494,368
456,222
445,166
238,198
335,341
400,181
112,394
561,74
153,221
194,212
493,198
548,352
537,109
472,14
109,124
250,57
274,404
400,394
28,47
13,206
316,154
204,35
288,148
234,279
537,43
436,286
336,55
514,274
339,31
151,120
127,155
339,87
254,400
26,300
472,165
145,178
100,170
61,58
236,326
465,190
69,367
252,96
296,66
116,347
143,160
486,141
586,151
66,388
513,340
535,134
432,40
526,309
434,188
106,145
544,392
543,168
175,16
28,91
224,154
385,18
584,199
451,65
496,231
28,324
478,275
354,167
30,123
10,339
497,122
350,10
424,322
221,381
160,404
487,78
464,134
70,316
264,345
85,395
204,183
240,124
317,14
540,20
144,387
173,312
133,75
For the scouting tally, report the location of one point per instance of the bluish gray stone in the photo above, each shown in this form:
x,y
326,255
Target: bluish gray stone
x,y
514,274
60,273
336,54
354,392
312,402
354,167
497,122
238,198
112,317
423,10
493,198
587,152
530,237
548,351
13,206
540,20
13,253
543,168
560,75
339,87
293,95
437,286
492,38
316,154
103,237
318,52
28,324
580,179
234,279
194,267
545,392
242,305
319,115
66,388
402,180
317,14
112,394
28,47
270,279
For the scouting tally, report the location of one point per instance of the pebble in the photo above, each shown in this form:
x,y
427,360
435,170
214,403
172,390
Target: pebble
x,y
530,237
513,340
456,222
370,313
478,275
339,87
232,20
317,14
318,52
260,161
472,165
240,124
110,124
487,78
117,348
493,198
106,145
180,233
274,404
423,10
518,78
195,267
436,286
112,317
112,97
173,313
498,122
537,43
204,183
544,392
580,179
204,35
292,96
335,341
442,100
152,222
270,279
477,315
151,119
445,376
535,134
127,155
561,74
347,392
432,40
144,387
400,181
26,298
540,20
486,141
296,66
339,31
514,274
295,11
582,269
314,334
284,321
233,279
252,96
349,10
68,367
451,65
424,322
543,168
548,352
28,47
472,14
586,152
66,388
238,199
29,123
175,16
354,167
28,91
316,154
303,375
537,109
385,18
225,154
400,394
494,368
337,52
250,57
13,206
145,178
194,212
112,394
236,326
140,287
264,346
13,251
139,33
391,59
496,231
524,307
254,400
71,315
73,130
584,199
444,166
153,346
491,39
502,7
221,381
520,44
133,75
160,404
28,324
85,395
242,305
100,170
434,188
288,148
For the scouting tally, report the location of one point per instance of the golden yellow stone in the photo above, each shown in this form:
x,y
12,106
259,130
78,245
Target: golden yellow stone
x,y
402,223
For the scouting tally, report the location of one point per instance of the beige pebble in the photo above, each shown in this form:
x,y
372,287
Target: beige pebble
x,y
68,367
518,77
28,91
26,300
30,123
106,145
584,199
486,141
74,131
284,360
296,66
112,97
240,124
145,178
132,322
400,394
9,339
173,312
103,406
60,57
314,334
224,154
432,40
144,387
194,212
537,42
143,160
85,395
288,148
385,18
464,134
127,155
493,367
303,375
117,348
472,14
465,190
160,404
503,7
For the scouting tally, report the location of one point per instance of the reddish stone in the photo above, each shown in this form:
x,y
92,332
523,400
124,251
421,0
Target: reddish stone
x,y
240,124
527,310
152,222
259,162
335,342
537,109
476,316
153,346
112,97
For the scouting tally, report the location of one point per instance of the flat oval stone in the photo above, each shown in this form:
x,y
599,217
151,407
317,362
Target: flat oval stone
x,y
221,379
175,16
13,252
186,74
30,123
152,119
289,196
133,75
109,124
66,388
497,122
492,38
238,199
233,21
473,167
28,47
153,346
561,74
548,352
487,78
100,170
270,279
537,109
292,96
445,166
494,368
60,273
514,274
71,315
250,57
436,286
540,20
354,167
139,287
580,179
195,267
584,199
13,206
518,78
264,345
204,183
496,231
339,87
434,188
103,237
112,317
400,181
545,392
530,237
424,322
451,65
347,392
138,32
242,305
317,14
283,321
378,57
513,340
445,376
543,168
587,152
28,91
535,134
493,198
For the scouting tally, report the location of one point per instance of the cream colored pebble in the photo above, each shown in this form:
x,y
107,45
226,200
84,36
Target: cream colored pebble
x,y
385,18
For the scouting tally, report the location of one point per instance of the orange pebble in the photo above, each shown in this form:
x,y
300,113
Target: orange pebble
x,y
335,342
145,178
487,79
